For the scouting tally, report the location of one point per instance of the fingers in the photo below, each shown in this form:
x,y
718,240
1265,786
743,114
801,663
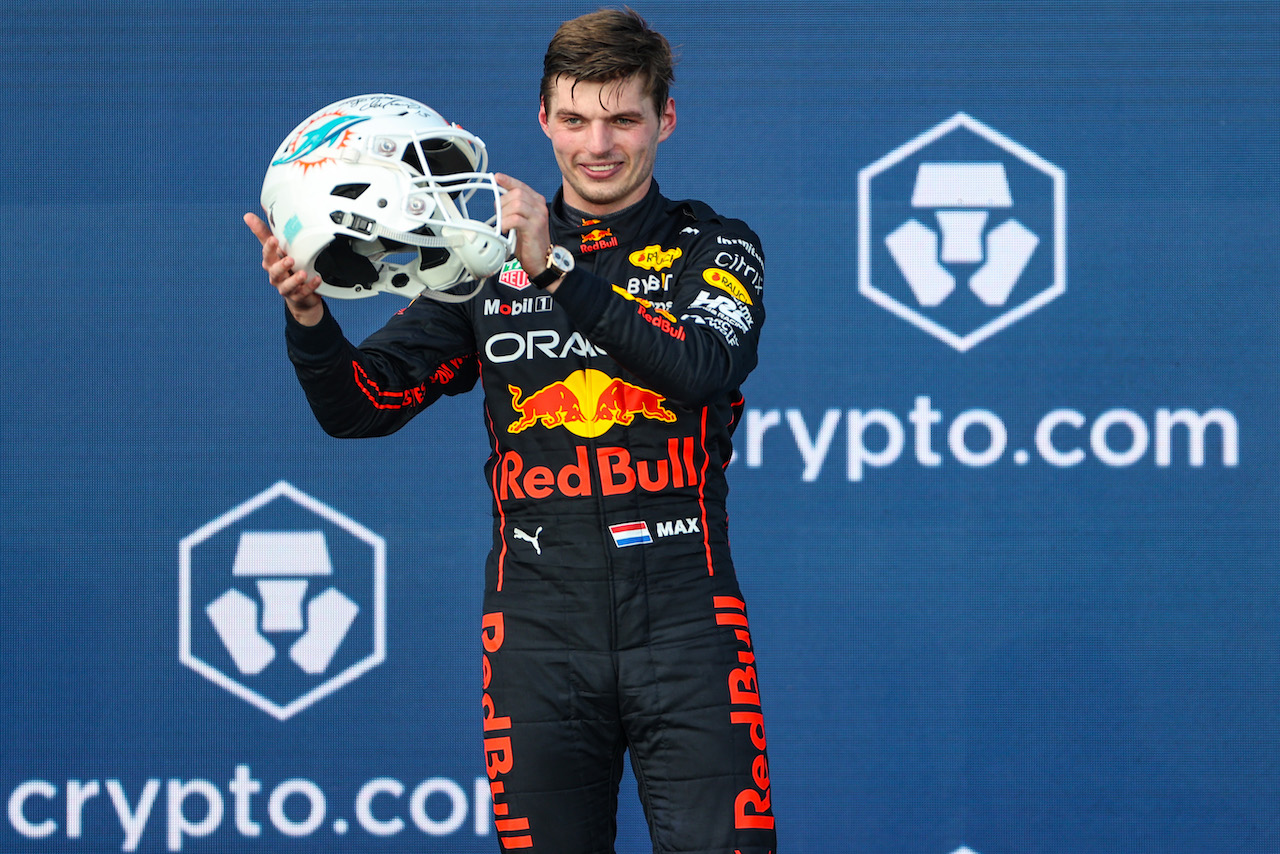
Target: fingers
x,y
259,228
274,260
279,266
292,283
297,288
524,211
282,273
300,297
508,183
520,201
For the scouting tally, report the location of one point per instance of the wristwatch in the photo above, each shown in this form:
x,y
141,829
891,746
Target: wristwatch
x,y
559,262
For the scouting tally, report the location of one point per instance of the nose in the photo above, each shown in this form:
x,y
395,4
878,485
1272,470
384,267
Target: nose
x,y
600,138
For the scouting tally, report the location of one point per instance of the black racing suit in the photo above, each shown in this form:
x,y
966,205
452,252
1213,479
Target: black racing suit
x,y
613,618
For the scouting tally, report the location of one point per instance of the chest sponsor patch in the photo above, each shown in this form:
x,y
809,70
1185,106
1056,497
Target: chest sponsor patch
x,y
654,257
630,534
513,276
597,239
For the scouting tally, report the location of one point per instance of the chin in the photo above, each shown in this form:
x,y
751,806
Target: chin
x,y
605,195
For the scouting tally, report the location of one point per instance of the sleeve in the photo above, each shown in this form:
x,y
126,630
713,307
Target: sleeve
x,y
705,346
425,351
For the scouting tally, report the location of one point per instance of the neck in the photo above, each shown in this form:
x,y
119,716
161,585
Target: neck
x,y
581,205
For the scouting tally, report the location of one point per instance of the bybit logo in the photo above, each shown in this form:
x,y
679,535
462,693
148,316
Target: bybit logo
x,y
282,600
961,232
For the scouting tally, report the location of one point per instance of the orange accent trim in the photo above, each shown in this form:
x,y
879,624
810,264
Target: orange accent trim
x,y
735,412
375,393
507,825
702,487
502,513
516,841
729,602
414,396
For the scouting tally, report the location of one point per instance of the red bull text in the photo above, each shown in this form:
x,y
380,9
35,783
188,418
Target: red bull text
x,y
499,759
597,239
611,467
752,809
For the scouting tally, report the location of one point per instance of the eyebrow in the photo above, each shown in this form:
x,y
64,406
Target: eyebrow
x,y
566,112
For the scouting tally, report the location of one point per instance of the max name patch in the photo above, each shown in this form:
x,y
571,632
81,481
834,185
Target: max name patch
x,y
637,533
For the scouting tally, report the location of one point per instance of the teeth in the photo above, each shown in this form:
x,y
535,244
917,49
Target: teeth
x,y
599,168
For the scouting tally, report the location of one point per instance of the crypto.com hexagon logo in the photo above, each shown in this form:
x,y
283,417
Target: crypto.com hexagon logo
x,y
962,231
282,600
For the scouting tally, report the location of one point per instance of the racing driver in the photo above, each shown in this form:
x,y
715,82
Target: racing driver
x,y
611,351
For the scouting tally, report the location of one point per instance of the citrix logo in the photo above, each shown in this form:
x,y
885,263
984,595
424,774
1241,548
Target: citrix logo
x,y
961,232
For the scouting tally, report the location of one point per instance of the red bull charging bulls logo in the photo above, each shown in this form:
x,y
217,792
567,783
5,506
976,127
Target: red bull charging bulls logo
x,y
586,403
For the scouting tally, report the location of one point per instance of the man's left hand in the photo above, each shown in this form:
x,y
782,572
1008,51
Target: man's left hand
x,y
524,211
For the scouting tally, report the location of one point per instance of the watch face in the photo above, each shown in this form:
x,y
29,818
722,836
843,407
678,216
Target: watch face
x,y
561,258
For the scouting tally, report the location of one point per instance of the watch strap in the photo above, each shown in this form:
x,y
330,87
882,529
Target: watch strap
x,y
546,277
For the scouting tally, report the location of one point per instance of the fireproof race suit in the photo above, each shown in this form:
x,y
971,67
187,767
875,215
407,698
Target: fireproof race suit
x,y
613,617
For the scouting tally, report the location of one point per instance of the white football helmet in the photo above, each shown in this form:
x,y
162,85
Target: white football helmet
x,y
371,193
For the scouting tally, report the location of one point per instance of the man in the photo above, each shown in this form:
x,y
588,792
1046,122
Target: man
x,y
613,618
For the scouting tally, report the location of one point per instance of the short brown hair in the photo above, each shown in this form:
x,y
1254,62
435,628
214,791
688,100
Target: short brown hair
x,y
609,45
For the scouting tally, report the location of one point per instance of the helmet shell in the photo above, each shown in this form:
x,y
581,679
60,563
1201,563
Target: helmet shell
x,y
372,194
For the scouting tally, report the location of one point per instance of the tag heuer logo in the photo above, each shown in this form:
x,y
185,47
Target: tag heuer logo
x,y
513,276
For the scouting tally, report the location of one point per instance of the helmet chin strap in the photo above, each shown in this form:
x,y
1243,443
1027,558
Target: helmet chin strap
x,y
455,242
445,296
430,241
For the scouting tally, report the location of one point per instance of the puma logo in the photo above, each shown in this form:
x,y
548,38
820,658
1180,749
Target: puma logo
x,y
521,535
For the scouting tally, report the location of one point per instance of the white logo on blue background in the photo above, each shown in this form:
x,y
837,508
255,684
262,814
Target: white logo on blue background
x,y
282,600
961,231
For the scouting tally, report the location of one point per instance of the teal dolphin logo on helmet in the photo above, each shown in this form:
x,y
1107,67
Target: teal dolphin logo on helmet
x,y
328,134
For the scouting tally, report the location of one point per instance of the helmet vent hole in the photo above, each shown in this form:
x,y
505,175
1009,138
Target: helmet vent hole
x,y
349,191
411,157
445,158
431,257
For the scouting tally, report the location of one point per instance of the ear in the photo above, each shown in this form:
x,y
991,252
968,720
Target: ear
x,y
542,116
667,121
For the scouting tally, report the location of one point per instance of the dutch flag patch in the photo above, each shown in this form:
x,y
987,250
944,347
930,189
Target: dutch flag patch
x,y
630,534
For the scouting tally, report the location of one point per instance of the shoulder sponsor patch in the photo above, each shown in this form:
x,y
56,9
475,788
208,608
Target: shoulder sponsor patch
x,y
725,309
727,282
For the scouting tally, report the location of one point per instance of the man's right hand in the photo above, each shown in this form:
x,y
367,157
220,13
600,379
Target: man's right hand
x,y
298,290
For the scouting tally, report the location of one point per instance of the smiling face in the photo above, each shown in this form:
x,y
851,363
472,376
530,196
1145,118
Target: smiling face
x,y
605,137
